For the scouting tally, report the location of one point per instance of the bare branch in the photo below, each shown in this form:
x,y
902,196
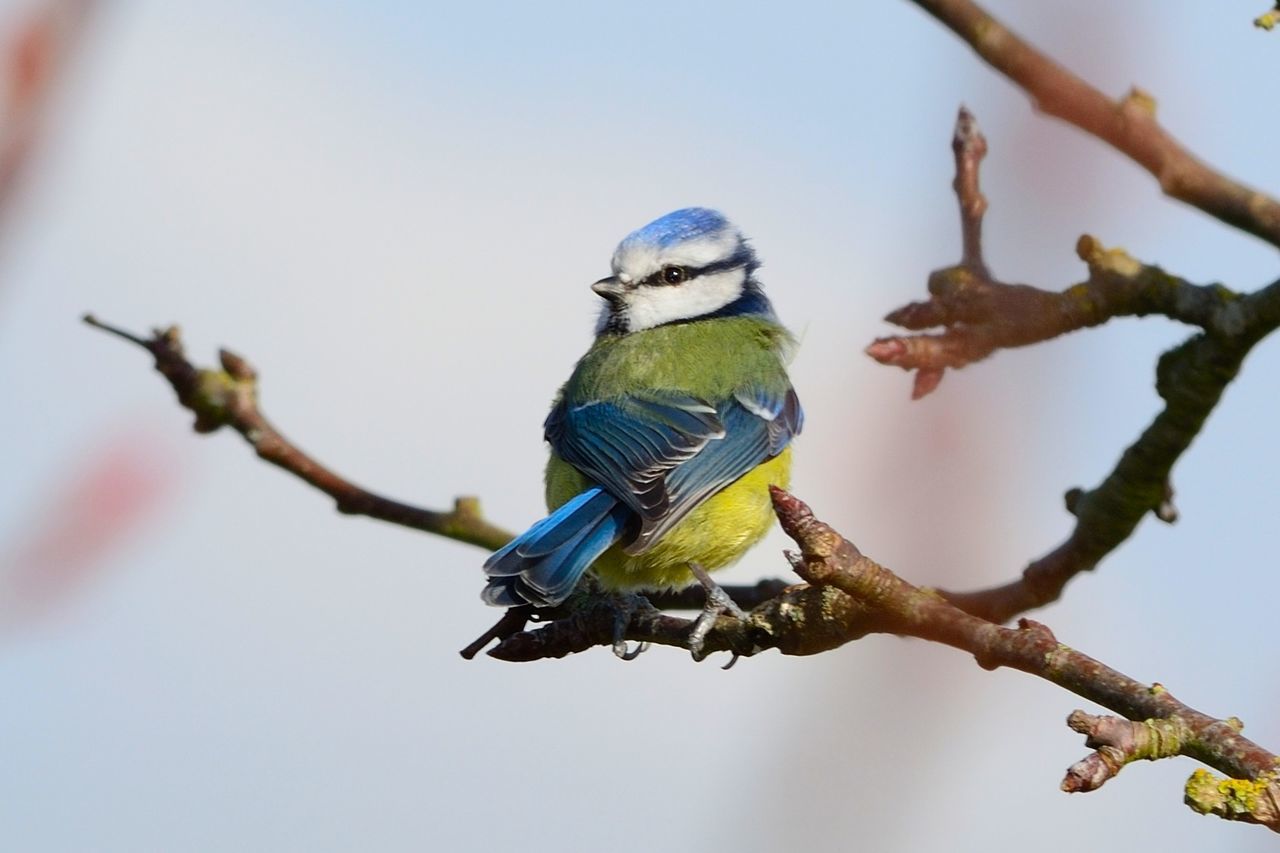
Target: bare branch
x,y
1190,379
1167,726
1247,800
970,146
511,623
1268,20
229,397
848,596
1116,742
981,315
694,597
1129,124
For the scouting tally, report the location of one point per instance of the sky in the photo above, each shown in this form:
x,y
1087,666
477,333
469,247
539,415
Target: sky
x,y
394,211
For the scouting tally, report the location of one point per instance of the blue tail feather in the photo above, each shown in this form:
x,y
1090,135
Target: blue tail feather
x,y
582,517
500,563
544,564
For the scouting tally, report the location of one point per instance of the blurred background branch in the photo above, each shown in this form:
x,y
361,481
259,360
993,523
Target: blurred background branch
x,y
1129,125
39,49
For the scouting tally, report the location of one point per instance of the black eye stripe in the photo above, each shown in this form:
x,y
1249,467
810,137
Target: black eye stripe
x,y
719,266
737,261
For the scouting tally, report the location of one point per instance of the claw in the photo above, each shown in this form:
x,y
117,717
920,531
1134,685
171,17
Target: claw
x,y
623,607
620,649
718,604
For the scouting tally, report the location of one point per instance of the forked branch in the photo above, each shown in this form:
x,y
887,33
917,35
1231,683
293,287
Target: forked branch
x,y
979,314
848,596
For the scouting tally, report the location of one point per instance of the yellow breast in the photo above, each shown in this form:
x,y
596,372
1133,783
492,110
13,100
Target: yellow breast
x,y
715,534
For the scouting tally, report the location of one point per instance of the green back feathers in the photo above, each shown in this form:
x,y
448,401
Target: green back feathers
x,y
709,359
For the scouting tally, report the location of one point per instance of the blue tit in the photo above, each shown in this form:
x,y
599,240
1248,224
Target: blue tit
x,y
667,436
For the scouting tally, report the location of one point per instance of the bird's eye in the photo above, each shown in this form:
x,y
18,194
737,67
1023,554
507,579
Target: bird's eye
x,y
674,275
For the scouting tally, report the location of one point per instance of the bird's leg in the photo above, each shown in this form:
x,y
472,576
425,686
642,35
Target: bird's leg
x,y
624,604
718,604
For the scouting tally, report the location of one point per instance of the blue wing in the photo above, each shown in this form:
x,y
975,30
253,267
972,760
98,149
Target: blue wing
x,y
655,457
662,454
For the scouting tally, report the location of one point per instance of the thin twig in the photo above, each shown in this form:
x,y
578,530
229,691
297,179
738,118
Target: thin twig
x,y
970,146
229,397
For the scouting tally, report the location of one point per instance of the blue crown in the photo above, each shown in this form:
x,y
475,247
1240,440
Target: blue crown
x,y
685,224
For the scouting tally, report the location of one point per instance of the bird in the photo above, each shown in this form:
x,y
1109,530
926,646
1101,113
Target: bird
x,y
671,429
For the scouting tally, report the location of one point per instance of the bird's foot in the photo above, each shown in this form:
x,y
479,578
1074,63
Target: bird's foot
x,y
718,604
624,605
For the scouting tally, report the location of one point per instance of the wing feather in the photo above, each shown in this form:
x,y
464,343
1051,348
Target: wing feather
x,y
662,454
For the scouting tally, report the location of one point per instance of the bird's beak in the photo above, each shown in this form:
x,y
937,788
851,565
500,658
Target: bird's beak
x,y
610,288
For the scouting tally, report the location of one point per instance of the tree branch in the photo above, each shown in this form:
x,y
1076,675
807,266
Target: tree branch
x,y
229,397
1128,125
980,315
1268,20
1191,379
848,596
970,146
1173,728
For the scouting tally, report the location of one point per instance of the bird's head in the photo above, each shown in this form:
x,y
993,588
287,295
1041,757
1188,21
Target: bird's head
x,y
689,264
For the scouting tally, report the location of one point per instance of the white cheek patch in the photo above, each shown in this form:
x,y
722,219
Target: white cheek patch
x,y
654,305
